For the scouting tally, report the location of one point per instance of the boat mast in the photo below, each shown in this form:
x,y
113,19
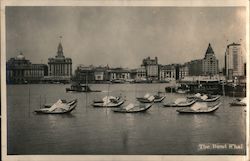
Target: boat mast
x,y
29,100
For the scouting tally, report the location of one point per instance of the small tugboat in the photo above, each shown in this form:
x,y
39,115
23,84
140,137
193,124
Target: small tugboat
x,y
199,108
181,102
60,107
146,99
131,108
77,87
108,101
239,102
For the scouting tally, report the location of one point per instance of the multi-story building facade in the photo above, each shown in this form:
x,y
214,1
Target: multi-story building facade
x,y
21,70
119,73
167,72
140,73
234,65
195,67
152,68
85,74
101,74
60,68
183,71
210,65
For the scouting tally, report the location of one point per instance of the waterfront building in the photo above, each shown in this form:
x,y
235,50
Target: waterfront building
x,y
60,67
141,73
167,72
101,74
21,70
234,65
183,71
152,68
195,67
210,65
119,73
85,74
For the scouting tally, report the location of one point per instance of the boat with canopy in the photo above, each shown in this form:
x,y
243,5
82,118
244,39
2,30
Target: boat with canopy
x,y
109,101
131,108
200,108
204,98
60,107
239,102
147,98
181,102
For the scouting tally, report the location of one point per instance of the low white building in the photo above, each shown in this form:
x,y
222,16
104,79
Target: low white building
x,y
167,72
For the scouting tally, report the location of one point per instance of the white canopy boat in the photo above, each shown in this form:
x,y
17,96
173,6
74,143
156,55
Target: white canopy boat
x,y
60,107
109,101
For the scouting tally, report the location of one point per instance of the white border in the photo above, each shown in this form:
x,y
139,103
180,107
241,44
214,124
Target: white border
x,y
181,3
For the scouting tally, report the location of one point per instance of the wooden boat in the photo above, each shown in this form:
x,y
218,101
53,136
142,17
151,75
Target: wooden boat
x,y
77,87
60,107
158,98
109,101
199,110
185,103
209,99
146,99
204,98
239,102
180,91
134,108
101,101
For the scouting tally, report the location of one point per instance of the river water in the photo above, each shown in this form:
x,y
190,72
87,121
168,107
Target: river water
x,y
88,130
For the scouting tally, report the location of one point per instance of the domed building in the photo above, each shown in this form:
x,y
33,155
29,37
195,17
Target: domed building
x,y
20,70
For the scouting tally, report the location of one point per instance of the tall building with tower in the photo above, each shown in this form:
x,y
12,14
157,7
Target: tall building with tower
x,y
210,65
152,68
234,65
60,67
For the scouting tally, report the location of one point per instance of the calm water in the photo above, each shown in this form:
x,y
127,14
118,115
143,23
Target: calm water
x,y
89,130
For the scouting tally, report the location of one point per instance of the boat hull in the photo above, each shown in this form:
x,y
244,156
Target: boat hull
x,y
101,105
72,104
144,100
133,111
180,105
209,99
158,100
74,90
237,104
190,111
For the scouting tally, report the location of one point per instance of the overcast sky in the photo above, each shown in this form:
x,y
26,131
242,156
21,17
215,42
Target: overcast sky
x,y
123,36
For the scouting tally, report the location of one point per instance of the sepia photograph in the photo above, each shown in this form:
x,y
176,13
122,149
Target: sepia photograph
x,y
124,80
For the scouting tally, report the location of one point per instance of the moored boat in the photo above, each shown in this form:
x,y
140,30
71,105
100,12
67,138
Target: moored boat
x,y
211,98
204,98
181,102
200,108
109,101
131,108
158,98
239,102
60,107
146,99
77,87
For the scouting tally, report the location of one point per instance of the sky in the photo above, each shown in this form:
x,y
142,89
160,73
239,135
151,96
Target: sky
x,y
123,36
